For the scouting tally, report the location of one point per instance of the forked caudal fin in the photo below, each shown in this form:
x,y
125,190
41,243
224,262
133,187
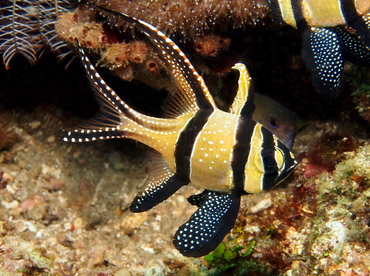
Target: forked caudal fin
x,y
115,118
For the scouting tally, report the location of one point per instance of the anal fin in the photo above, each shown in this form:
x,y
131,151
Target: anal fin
x,y
160,185
207,227
323,57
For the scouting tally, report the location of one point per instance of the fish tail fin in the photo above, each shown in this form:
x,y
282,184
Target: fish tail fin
x,y
115,117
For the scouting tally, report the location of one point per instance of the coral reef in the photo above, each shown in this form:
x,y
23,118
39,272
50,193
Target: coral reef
x,y
361,89
63,208
190,19
28,26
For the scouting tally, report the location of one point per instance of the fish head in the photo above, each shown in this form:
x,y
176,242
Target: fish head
x,y
270,161
277,118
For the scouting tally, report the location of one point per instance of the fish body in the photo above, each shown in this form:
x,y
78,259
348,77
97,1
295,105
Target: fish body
x,y
316,13
334,31
226,153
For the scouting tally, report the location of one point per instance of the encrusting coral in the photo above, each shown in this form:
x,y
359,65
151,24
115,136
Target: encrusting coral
x,y
28,27
191,18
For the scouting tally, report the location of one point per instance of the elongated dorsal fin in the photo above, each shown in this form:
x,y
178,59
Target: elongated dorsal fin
x,y
243,103
191,86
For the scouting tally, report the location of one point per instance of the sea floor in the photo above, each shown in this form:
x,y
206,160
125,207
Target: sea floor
x,y
64,211
64,206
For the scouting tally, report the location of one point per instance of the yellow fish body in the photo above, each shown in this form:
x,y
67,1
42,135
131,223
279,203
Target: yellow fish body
x,y
226,153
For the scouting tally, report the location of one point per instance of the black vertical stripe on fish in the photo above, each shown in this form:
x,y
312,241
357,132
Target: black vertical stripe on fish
x,y
167,47
348,10
207,227
322,55
186,140
353,50
249,107
241,152
268,159
298,15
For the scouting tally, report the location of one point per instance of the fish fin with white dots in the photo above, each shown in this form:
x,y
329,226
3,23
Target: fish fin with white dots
x,y
193,91
198,199
162,182
207,227
323,57
104,124
362,29
115,118
352,48
243,103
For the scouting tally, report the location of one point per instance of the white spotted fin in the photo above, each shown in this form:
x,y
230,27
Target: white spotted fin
x,y
162,182
207,227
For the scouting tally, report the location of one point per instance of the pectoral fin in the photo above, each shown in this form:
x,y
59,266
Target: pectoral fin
x,y
207,227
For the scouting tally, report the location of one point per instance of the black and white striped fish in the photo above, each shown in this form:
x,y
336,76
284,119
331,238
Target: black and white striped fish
x,y
335,31
226,153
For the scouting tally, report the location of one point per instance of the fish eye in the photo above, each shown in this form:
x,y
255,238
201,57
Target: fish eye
x,y
274,123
